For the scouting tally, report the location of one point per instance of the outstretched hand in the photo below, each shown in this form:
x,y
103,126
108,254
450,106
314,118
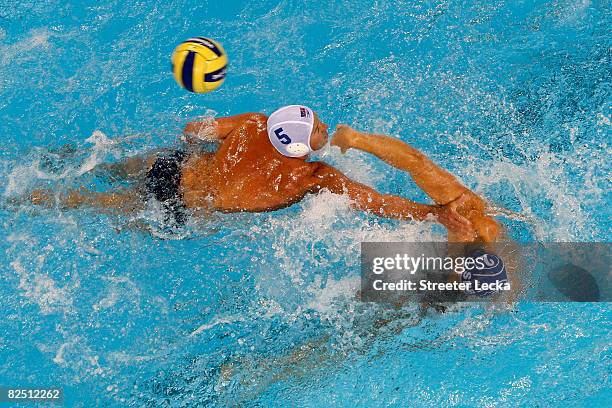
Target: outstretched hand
x,y
456,224
343,137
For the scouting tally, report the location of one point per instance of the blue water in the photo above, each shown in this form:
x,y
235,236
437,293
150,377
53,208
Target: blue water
x,y
259,309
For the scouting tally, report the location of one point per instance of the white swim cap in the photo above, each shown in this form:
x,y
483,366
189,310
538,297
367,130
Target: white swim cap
x,y
289,130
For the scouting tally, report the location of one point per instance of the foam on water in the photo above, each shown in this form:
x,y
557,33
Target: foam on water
x,y
42,290
36,39
23,177
515,104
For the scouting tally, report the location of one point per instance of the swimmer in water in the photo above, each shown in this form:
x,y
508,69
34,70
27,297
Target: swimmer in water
x,y
442,187
260,165
375,322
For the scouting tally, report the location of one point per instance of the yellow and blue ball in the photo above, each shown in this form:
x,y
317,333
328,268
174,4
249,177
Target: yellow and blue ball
x,y
199,64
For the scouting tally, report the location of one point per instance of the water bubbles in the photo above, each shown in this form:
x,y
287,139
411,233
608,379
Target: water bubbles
x,y
512,110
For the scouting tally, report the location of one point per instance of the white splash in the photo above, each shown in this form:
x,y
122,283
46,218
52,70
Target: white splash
x,y
23,177
101,145
217,321
39,288
325,300
38,38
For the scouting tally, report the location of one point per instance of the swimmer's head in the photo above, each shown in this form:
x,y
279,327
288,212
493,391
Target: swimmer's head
x,y
296,131
488,269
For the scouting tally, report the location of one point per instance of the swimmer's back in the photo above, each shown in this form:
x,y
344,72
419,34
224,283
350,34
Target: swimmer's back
x,y
248,174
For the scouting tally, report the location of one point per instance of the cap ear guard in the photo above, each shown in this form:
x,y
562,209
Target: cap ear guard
x,y
289,130
298,149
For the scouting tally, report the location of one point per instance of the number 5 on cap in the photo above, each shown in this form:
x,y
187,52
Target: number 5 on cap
x,y
284,139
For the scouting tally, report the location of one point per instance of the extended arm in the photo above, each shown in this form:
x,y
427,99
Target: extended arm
x,y
435,181
385,205
123,201
216,129
438,183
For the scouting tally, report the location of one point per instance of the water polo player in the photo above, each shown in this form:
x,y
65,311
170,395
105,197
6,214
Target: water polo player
x,y
260,165
444,188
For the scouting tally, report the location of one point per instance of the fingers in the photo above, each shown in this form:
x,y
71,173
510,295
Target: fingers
x,y
460,219
461,223
456,224
342,130
334,141
454,221
340,137
459,201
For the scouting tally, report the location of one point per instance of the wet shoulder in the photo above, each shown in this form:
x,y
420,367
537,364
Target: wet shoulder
x,y
253,126
249,138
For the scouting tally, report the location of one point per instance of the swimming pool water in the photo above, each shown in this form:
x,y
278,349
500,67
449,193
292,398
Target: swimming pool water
x,y
259,309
